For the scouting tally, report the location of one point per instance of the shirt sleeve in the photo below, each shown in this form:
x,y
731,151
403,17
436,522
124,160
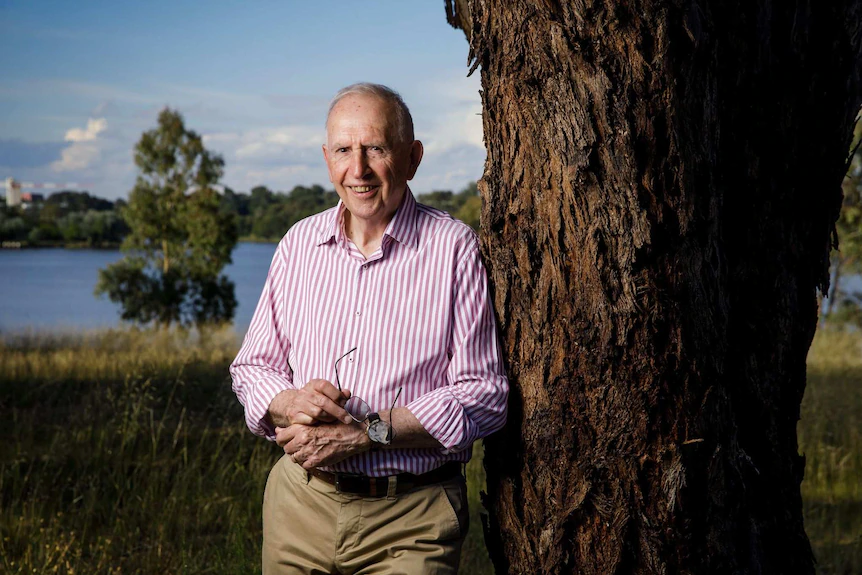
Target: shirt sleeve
x,y
260,370
472,404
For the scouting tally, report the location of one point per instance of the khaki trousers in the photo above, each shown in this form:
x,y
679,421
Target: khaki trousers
x,y
309,528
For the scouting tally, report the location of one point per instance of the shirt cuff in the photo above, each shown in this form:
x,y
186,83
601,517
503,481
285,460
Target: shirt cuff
x,y
444,418
262,394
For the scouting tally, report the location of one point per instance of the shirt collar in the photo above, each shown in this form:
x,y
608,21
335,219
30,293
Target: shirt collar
x,y
402,228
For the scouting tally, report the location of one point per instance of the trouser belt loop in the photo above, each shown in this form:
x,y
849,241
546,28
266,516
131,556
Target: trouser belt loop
x,y
393,484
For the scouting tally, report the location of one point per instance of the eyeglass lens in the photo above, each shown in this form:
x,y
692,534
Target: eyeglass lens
x,y
357,409
355,406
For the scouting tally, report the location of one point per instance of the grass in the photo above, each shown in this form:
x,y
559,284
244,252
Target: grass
x,y
125,452
830,436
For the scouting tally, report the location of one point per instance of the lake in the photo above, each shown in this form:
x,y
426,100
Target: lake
x,y
52,289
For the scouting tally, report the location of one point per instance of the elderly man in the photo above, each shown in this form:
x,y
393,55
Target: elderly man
x,y
372,359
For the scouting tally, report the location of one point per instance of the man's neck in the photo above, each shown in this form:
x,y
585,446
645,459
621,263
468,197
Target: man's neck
x,y
366,237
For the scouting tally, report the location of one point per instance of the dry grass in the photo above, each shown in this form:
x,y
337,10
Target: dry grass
x,y
830,436
125,452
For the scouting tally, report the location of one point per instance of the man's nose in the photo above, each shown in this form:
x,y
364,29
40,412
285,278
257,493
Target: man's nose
x,y
359,164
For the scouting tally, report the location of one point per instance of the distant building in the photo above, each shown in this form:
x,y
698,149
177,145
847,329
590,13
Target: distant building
x,y
29,199
13,193
32,198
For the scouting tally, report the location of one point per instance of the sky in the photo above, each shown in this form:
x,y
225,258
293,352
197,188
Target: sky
x,y
81,81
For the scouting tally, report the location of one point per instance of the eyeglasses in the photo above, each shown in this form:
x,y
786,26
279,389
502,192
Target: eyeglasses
x,y
355,406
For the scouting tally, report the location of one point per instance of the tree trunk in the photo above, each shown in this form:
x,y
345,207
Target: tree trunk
x,y
660,193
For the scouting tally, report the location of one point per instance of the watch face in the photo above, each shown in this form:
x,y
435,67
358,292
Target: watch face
x,y
378,432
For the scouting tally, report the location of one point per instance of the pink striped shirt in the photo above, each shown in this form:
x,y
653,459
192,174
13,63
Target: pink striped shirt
x,y
418,312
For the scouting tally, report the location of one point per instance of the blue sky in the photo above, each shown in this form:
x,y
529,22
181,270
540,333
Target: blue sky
x,y
81,80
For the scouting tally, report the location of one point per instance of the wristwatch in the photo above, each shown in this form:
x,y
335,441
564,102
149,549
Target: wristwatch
x,y
379,432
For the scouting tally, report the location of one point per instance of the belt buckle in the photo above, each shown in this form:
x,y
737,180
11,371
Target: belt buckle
x,y
337,482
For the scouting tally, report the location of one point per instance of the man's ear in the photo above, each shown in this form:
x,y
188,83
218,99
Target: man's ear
x,y
416,152
326,159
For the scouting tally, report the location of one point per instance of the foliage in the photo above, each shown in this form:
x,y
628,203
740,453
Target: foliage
x,y
79,219
13,227
272,215
844,304
91,227
65,218
68,201
180,238
466,205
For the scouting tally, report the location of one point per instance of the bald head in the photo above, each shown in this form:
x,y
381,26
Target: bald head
x,y
399,113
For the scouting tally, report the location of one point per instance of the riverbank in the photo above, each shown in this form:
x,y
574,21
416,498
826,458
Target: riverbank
x,y
25,245
124,451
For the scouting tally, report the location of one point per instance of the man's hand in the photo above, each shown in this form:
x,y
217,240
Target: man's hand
x,y
316,401
320,445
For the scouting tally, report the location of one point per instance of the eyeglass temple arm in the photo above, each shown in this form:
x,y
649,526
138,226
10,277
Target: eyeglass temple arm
x,y
346,353
392,427
394,401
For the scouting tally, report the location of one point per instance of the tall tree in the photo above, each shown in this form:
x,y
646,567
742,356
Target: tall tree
x,y
180,239
660,196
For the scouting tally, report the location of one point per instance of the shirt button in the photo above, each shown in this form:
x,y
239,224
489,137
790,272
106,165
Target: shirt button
x,y
350,360
359,313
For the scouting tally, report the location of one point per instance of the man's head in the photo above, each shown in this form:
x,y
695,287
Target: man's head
x,y
370,151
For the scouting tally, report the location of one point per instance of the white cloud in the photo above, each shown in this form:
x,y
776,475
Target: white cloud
x,y
463,125
93,129
276,174
270,143
279,157
451,169
84,150
76,157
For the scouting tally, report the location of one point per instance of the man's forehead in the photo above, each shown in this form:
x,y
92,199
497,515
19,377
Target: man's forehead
x,y
357,102
353,112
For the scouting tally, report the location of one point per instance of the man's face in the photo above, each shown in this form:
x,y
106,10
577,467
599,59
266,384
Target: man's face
x,y
367,162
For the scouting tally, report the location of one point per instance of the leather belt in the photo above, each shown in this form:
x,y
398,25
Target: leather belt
x,y
389,485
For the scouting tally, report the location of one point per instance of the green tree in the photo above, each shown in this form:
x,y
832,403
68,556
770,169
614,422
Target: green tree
x,y
273,214
13,228
261,198
179,237
466,205
72,227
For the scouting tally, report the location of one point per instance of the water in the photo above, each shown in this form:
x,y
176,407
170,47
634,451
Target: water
x,y
53,288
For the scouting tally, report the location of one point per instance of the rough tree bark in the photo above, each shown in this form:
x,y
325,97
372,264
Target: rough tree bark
x,y
660,192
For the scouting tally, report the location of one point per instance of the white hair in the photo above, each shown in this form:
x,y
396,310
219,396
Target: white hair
x,y
403,119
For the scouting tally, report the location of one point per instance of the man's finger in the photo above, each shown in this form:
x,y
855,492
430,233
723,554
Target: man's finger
x,y
326,406
280,433
326,388
286,435
302,418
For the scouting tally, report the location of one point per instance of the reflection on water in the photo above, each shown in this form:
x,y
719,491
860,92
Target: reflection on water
x,y
53,288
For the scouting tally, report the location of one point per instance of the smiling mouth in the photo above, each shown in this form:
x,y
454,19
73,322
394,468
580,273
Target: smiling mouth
x,y
362,189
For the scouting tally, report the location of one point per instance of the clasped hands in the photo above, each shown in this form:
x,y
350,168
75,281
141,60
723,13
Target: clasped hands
x,y
313,427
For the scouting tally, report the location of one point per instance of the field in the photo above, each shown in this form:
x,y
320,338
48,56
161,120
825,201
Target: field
x,y
125,452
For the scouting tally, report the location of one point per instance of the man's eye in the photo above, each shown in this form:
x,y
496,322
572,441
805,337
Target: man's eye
x,y
341,150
